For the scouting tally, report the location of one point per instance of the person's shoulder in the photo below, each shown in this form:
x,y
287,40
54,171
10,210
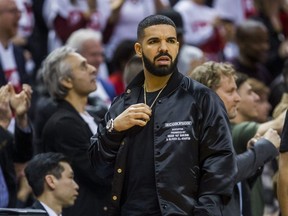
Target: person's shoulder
x,y
244,127
63,115
37,205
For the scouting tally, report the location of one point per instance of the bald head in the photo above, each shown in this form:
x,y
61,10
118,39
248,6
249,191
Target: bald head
x,y
247,28
9,17
252,39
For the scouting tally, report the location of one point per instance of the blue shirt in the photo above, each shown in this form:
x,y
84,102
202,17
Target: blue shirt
x,y
4,195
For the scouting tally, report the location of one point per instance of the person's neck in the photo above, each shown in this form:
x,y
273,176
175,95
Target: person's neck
x,y
238,119
154,83
4,41
51,203
79,103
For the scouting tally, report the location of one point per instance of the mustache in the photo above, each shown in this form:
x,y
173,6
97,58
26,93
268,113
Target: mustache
x,y
163,54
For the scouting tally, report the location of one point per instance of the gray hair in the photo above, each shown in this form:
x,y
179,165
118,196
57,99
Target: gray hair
x,y
79,37
55,69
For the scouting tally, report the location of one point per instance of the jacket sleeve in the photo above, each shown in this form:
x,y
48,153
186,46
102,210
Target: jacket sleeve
x,y
104,146
250,161
216,156
23,144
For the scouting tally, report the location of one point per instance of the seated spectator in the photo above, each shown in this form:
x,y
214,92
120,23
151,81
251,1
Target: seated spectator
x,y
263,105
52,180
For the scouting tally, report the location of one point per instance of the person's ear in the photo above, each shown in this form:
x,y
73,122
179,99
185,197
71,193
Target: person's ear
x,y
138,49
50,181
178,44
66,82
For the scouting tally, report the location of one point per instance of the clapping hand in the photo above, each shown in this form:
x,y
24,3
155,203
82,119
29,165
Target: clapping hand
x,y
5,110
20,103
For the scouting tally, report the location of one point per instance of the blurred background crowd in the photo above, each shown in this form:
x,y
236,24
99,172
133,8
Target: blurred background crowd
x,y
252,35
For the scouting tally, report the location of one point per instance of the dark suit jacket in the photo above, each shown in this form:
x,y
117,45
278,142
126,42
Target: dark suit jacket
x,y
38,205
248,164
17,148
68,133
20,62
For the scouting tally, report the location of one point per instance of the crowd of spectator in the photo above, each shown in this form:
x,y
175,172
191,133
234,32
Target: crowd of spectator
x,y
35,85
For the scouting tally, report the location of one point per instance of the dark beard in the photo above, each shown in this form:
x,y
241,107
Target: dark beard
x,y
162,70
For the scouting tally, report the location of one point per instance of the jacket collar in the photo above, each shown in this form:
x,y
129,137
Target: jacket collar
x,y
133,90
172,84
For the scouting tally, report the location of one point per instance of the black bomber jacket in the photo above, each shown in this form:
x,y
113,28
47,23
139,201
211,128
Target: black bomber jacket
x,y
198,173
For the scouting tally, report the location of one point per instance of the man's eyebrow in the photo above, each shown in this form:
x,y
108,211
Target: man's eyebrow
x,y
153,38
172,37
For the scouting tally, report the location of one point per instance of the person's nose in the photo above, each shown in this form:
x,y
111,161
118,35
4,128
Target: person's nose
x,y
237,97
256,97
76,186
163,47
92,69
265,46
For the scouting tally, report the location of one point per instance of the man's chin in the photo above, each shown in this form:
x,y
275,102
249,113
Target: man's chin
x,y
232,115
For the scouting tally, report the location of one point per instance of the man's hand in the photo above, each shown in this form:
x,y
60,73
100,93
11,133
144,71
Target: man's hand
x,y
5,110
20,104
270,135
136,114
273,137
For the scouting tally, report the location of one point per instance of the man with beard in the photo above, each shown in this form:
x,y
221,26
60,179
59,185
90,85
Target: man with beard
x,y
166,136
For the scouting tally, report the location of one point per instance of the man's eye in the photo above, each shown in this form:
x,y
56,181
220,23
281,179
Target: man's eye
x,y
152,42
172,41
84,67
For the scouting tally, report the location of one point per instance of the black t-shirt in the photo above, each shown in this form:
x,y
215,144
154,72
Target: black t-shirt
x,y
139,192
284,136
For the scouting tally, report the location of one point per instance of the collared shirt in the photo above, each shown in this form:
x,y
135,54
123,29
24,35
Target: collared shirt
x,y
9,66
90,121
239,185
50,211
4,194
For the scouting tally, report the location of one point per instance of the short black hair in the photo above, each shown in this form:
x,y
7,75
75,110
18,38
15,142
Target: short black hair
x,y
241,78
151,21
41,165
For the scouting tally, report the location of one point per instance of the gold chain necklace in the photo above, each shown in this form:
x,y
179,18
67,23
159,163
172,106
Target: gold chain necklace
x,y
145,98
